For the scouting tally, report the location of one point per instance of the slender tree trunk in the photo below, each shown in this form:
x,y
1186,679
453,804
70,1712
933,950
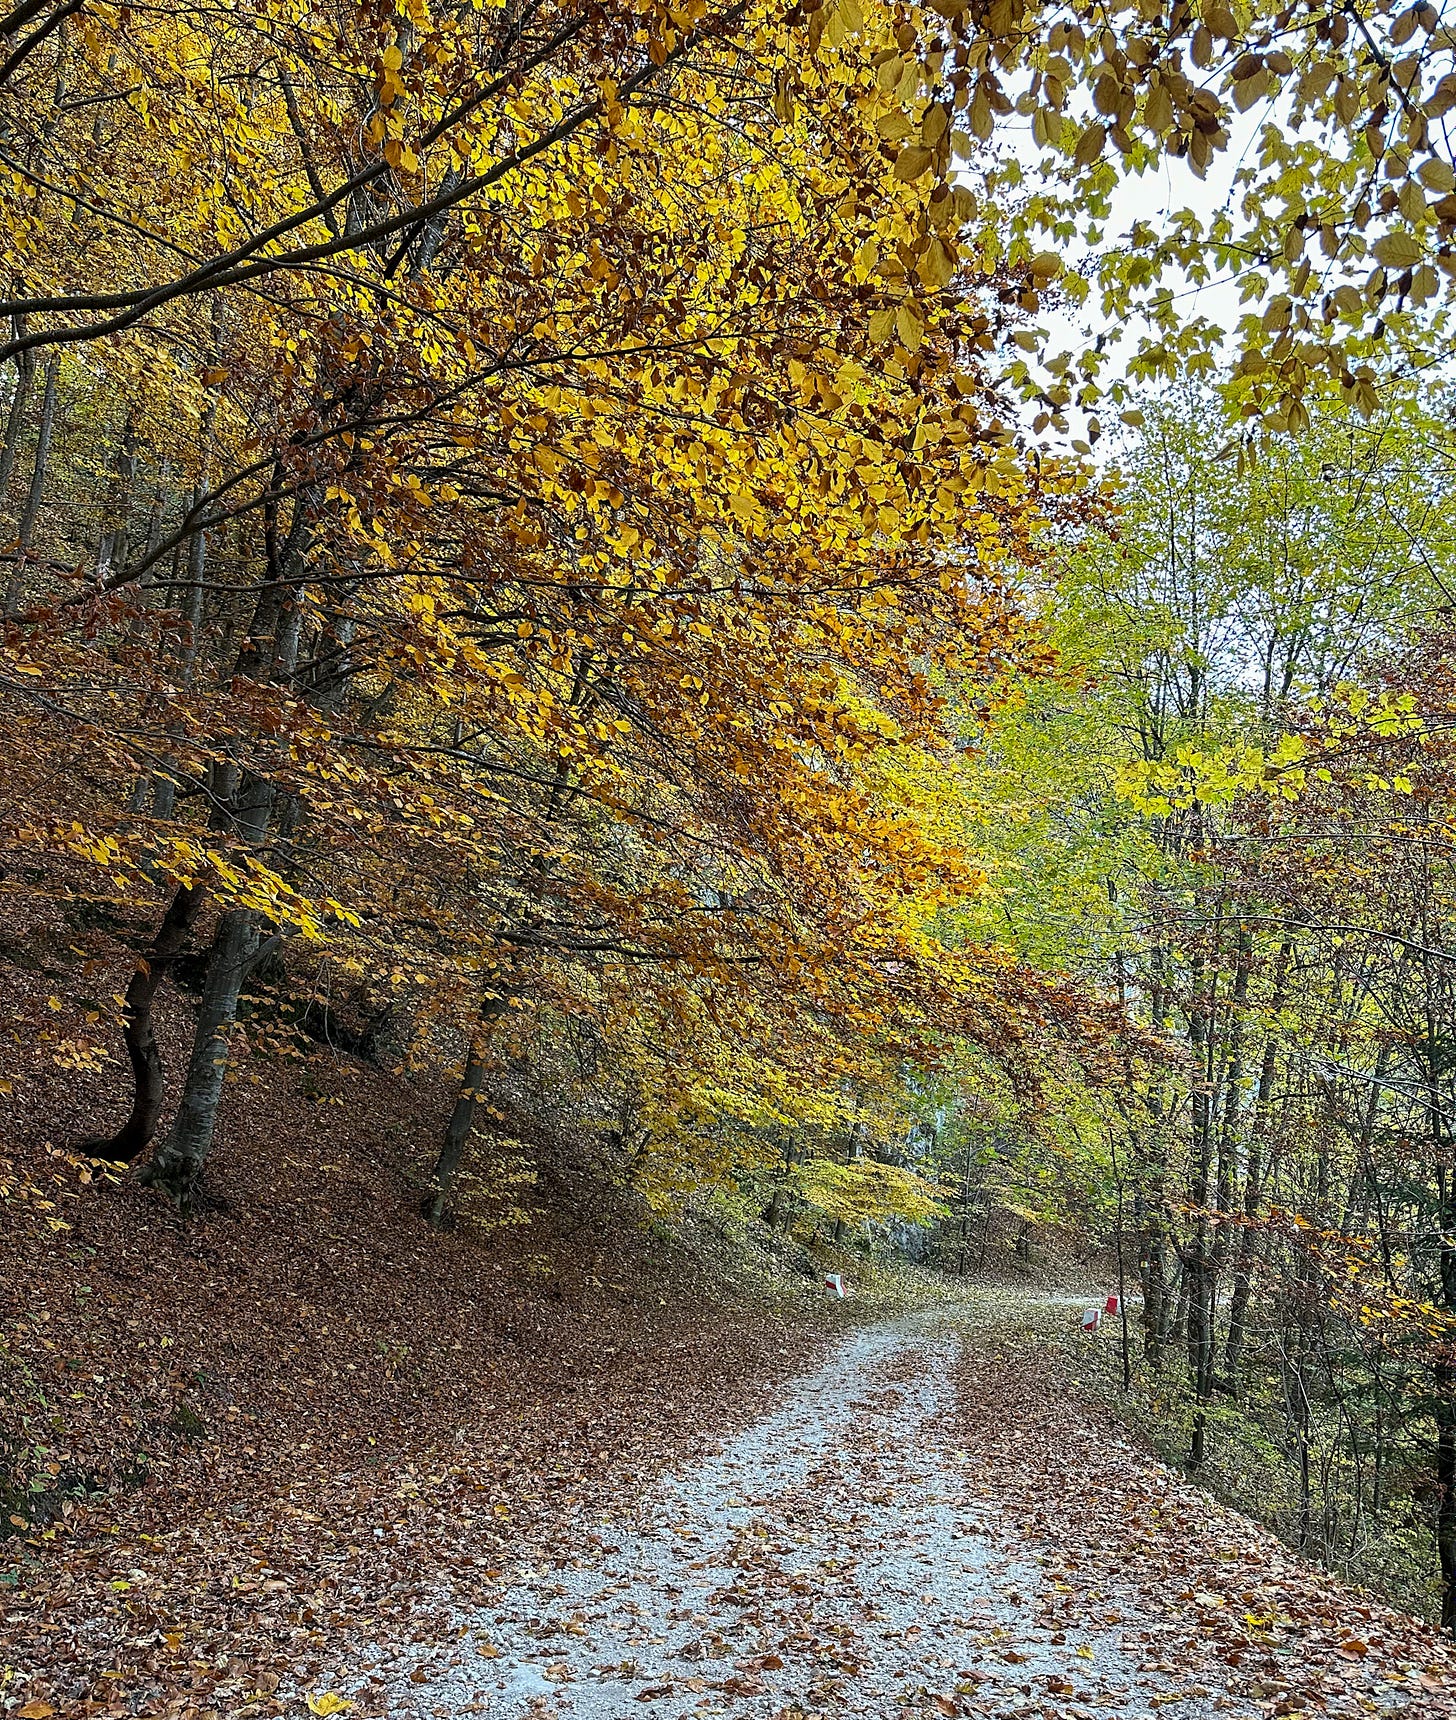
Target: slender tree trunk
x,y
177,1165
462,1119
1122,1273
331,674
148,1076
1178,1331
15,418
1444,1379
1153,1271
31,510
1248,1250
1149,1185
777,1207
1197,1255
164,800
1445,1414
964,1252
116,538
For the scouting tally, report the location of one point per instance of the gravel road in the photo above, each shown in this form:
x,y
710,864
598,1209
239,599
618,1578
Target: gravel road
x,y
833,1560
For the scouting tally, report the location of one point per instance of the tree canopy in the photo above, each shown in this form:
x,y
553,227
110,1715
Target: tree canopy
x,y
548,548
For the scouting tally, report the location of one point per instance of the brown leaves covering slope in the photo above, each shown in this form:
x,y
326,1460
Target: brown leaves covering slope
x,y
1239,1612
287,1422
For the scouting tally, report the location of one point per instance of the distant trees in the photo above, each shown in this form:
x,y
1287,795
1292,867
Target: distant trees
x,y
1235,808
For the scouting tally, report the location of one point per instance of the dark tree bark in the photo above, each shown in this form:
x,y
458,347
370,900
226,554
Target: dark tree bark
x,y
244,803
462,1118
148,1076
1444,1377
1445,1413
1198,1268
177,1165
15,419
457,1135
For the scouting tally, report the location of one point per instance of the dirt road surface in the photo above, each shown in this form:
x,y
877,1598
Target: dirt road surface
x,y
901,1537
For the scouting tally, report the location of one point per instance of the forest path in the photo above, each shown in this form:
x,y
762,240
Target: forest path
x,y
849,1555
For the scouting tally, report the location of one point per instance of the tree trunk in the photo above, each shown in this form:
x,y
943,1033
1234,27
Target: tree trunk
x,y
462,1117
15,420
1153,1271
1445,1386
177,1167
148,1077
116,538
1198,1262
457,1135
178,1163
1248,1251
778,1203
31,510
1445,1413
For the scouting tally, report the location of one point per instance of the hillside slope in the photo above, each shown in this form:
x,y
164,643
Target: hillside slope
x,y
229,1443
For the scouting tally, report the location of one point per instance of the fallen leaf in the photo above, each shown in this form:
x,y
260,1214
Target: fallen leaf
x,y
328,1702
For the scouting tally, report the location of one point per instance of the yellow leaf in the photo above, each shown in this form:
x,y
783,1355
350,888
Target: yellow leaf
x,y
328,1702
937,265
912,162
36,1711
907,325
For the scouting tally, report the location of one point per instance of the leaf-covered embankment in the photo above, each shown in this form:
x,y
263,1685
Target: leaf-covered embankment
x,y
234,1447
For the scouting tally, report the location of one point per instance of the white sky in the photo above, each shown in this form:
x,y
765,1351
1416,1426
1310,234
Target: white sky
x,y
1152,197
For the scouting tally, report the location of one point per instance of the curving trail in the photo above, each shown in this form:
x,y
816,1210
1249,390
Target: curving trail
x,y
849,1556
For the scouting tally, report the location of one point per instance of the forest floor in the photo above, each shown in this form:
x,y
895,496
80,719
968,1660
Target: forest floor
x,y
233,1449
